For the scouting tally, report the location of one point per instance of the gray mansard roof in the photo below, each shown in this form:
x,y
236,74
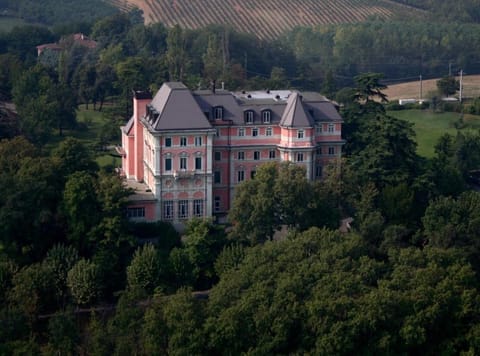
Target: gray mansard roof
x,y
175,107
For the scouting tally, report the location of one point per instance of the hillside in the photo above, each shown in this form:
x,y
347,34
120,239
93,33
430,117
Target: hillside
x,y
471,88
267,18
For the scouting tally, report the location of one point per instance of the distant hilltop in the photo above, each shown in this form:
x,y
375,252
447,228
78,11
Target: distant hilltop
x,y
267,19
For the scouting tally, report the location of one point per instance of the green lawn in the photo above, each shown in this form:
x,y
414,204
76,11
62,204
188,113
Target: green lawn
x,y
90,124
429,126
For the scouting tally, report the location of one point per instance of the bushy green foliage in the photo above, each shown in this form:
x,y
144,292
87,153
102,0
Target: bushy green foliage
x,y
145,270
83,282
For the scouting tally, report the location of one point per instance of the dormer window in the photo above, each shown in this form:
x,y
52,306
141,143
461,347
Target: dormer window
x,y
266,116
218,112
248,116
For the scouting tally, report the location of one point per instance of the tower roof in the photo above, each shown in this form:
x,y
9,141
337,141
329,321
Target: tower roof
x,y
176,109
294,114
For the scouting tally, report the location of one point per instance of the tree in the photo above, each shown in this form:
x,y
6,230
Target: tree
x,y
60,260
73,156
203,242
145,270
79,200
368,87
280,194
212,61
448,85
83,282
176,56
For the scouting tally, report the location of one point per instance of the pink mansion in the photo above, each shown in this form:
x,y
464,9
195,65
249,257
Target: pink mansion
x,y
185,151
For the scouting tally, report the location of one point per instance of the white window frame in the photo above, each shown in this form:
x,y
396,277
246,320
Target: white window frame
x,y
300,157
272,154
240,176
218,112
169,141
256,155
198,141
241,155
254,132
183,141
136,212
198,207
301,134
268,131
183,209
331,128
266,116
183,163
168,212
171,164
249,117
331,150
241,131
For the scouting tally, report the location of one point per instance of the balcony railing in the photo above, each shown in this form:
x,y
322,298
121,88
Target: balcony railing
x,y
184,173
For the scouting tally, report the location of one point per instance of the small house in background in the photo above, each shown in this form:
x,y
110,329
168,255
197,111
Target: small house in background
x,y
77,38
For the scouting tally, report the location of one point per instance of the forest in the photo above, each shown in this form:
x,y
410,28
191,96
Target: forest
x,y
77,277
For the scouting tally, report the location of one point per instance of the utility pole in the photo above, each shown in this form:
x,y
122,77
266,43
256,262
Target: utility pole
x,y
461,84
421,94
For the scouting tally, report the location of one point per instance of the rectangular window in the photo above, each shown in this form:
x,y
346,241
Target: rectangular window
x,y
300,134
271,154
217,177
331,150
240,176
218,155
168,142
268,131
318,129
331,127
256,155
299,157
198,163
168,164
249,117
183,141
217,204
266,115
183,209
241,155
255,132
318,170
198,141
136,212
252,174
183,163
241,131
319,151
218,113
198,207
168,210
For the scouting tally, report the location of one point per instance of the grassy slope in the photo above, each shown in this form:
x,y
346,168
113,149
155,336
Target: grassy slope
x,y
92,122
429,126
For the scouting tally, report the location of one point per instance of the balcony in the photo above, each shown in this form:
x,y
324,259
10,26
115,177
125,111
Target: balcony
x,y
184,174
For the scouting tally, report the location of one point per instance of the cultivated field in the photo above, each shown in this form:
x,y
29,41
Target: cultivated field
x,y
265,18
411,90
